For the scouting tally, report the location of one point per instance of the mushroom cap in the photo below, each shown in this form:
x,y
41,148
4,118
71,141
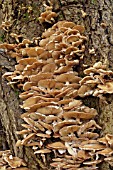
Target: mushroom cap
x,y
27,139
79,115
80,28
94,147
56,145
85,90
47,83
107,87
50,110
68,24
68,129
42,151
72,38
106,152
27,61
73,104
36,106
68,77
49,68
59,125
40,76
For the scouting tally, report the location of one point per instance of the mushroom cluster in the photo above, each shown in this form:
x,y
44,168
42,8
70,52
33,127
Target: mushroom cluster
x,y
56,121
97,82
8,162
48,15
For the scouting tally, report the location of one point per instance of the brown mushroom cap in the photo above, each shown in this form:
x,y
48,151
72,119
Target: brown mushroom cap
x,y
59,125
49,68
50,110
80,28
56,145
107,87
94,147
80,115
68,77
40,76
42,151
106,152
68,129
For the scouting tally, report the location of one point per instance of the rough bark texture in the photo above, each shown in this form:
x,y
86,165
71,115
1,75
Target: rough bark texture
x,y
26,23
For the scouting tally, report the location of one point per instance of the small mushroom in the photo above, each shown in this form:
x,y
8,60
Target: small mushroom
x,y
68,130
42,151
107,87
56,145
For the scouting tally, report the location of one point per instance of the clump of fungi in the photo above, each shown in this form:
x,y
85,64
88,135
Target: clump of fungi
x,y
56,120
48,15
7,161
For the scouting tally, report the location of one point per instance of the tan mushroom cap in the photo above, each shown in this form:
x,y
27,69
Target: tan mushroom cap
x,y
43,135
59,125
13,162
68,77
40,76
73,104
26,95
42,151
43,42
56,145
107,87
27,86
50,46
79,115
44,56
63,69
36,116
28,138
47,83
50,110
24,131
51,118
48,33
68,24
80,28
21,168
106,152
109,160
90,70
68,129
8,46
88,125
85,90
46,126
49,68
72,38
50,17
33,125
95,162
36,106
94,147
31,101
86,78
89,135
26,61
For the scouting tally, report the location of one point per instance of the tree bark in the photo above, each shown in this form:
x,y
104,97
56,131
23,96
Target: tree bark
x,y
99,31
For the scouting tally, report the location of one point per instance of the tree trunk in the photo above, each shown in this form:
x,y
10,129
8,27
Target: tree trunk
x,y
99,31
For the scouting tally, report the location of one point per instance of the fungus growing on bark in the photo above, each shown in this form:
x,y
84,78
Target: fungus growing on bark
x,y
97,82
7,161
48,15
55,119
